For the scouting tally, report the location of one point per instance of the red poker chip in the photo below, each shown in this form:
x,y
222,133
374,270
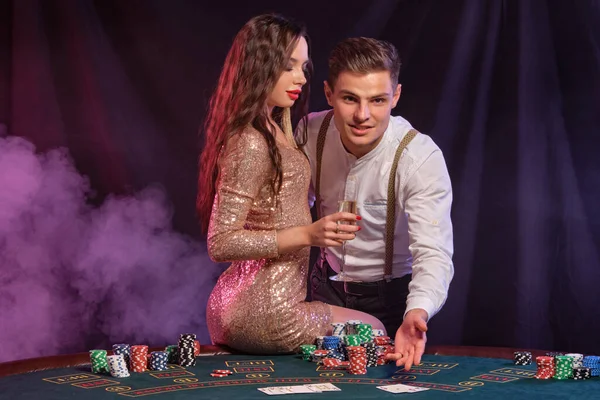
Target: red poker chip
x,y
331,362
215,375
222,371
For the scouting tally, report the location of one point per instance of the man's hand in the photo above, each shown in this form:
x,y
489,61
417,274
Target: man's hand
x,y
410,339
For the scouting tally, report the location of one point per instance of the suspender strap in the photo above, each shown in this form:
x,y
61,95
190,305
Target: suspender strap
x,y
320,146
390,221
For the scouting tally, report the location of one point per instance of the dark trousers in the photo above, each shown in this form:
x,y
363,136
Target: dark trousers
x,y
382,299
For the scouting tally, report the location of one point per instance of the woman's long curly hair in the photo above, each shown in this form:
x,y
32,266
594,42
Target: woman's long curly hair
x,y
256,60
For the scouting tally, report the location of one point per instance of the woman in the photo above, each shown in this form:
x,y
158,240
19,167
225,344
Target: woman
x,y
253,188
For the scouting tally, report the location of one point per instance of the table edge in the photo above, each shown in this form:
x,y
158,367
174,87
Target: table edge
x,y
82,359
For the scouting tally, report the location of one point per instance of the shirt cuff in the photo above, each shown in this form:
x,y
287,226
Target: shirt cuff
x,y
421,302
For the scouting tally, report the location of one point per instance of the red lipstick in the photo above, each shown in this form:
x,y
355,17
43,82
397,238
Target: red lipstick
x,y
294,94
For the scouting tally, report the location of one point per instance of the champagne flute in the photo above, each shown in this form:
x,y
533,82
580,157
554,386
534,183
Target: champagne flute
x,y
344,206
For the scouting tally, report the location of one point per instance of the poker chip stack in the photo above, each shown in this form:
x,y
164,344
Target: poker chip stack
x,y
125,350
522,357
99,363
173,354
158,360
364,332
343,353
318,355
387,349
581,373
351,326
338,329
348,341
307,351
139,358
377,332
383,347
196,348
381,340
593,363
371,352
117,366
577,359
319,342
545,367
332,344
563,367
358,360
186,350
352,340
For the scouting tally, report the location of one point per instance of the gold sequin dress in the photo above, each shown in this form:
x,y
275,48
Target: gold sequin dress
x,y
257,305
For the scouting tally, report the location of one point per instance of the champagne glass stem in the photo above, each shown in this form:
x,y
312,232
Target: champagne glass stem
x,y
343,264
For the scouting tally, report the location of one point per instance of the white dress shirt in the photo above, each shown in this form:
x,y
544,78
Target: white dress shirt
x,y
423,234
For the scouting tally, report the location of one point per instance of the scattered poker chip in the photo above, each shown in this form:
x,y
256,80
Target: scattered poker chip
x,y
215,375
331,362
222,371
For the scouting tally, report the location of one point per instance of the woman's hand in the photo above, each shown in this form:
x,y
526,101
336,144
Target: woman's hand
x,y
333,229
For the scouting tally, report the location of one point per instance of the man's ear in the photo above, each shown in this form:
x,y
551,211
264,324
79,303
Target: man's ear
x,y
396,95
328,93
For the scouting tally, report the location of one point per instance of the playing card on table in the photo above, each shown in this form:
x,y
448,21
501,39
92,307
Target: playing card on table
x,y
323,387
399,388
275,390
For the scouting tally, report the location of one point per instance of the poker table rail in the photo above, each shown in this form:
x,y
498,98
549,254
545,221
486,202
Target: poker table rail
x,y
83,359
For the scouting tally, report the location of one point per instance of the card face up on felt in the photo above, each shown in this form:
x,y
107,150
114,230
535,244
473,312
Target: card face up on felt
x,y
312,388
399,388
323,387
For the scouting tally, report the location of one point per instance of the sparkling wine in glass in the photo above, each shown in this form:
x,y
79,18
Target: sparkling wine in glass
x,y
344,206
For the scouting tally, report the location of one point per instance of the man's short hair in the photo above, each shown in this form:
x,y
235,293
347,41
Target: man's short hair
x,y
363,55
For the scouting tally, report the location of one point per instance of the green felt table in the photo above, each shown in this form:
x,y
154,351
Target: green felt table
x,y
449,372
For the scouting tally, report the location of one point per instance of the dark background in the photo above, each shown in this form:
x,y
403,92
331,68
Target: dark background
x,y
509,89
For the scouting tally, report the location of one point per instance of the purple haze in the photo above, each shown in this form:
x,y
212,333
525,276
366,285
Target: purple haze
x,y
74,277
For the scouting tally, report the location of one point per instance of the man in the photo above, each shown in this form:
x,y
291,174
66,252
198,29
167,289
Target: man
x,y
407,284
